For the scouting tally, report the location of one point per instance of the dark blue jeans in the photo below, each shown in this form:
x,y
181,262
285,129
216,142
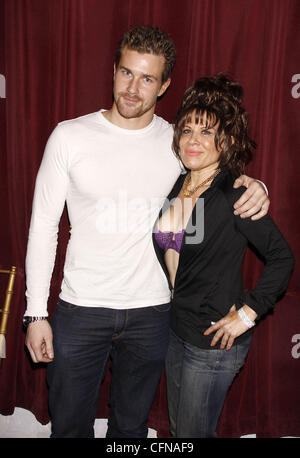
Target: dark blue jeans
x,y
84,337
197,383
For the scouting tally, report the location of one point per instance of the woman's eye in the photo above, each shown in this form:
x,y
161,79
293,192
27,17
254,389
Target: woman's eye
x,y
206,132
186,131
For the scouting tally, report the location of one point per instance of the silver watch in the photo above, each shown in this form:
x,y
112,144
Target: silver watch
x,y
31,319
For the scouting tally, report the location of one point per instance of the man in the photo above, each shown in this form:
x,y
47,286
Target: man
x,y
111,167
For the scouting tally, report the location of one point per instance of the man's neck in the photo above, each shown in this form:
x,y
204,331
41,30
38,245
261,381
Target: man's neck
x,y
141,122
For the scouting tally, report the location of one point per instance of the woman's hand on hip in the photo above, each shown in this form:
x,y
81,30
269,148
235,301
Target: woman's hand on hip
x,y
228,328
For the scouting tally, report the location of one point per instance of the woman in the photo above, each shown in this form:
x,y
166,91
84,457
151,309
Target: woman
x,y
201,245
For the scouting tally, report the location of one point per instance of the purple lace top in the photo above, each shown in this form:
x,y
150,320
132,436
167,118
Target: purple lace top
x,y
165,240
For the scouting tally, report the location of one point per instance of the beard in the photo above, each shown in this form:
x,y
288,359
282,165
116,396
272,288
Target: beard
x,y
130,106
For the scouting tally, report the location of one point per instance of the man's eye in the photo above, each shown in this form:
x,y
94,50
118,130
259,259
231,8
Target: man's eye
x,y
148,80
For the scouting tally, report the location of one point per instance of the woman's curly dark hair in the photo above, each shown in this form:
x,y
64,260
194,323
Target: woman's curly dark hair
x,y
216,100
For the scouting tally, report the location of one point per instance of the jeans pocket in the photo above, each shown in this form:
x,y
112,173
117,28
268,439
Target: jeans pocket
x,y
162,307
66,306
63,315
241,354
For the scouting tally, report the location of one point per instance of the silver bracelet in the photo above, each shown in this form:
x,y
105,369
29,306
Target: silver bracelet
x,y
31,319
245,319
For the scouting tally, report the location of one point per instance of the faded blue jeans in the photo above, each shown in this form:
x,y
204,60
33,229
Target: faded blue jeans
x,y
84,338
197,383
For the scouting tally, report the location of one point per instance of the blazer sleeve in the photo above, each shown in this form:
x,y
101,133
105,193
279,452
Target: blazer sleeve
x,y
267,239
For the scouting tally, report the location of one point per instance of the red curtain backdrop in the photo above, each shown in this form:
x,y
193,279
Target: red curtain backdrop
x,y
57,59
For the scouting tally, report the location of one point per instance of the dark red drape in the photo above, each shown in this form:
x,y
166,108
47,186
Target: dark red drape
x,y
57,58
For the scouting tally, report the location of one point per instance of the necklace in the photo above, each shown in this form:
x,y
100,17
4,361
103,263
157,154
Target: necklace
x,y
190,192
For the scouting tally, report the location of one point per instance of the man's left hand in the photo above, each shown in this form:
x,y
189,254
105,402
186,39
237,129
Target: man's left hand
x,y
254,202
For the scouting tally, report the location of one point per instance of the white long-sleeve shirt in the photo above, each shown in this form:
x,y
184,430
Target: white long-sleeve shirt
x,y
113,181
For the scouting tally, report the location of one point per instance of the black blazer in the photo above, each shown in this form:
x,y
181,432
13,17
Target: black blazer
x,y
209,275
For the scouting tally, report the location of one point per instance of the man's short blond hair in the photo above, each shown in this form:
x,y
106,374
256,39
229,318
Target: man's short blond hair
x,y
149,40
